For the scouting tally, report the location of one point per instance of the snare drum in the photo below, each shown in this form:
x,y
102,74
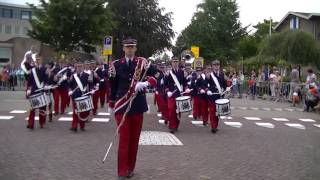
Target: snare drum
x,y
38,100
183,104
83,104
49,98
222,107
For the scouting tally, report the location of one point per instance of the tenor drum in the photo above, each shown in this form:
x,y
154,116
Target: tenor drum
x,y
83,104
38,100
222,107
183,104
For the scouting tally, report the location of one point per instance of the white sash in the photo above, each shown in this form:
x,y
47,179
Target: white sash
x,y
36,78
78,82
63,69
203,76
217,83
174,77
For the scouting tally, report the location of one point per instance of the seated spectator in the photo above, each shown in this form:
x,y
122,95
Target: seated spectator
x,y
312,97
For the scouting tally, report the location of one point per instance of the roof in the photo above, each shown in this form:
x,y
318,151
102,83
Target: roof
x,y
14,5
307,16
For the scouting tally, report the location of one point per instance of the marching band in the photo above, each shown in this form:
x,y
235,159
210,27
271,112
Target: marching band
x,y
123,85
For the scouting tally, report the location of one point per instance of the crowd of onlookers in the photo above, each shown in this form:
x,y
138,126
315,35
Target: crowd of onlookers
x,y
271,84
11,78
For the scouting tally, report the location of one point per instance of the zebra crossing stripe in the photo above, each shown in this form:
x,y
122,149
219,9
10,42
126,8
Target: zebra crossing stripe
x,y
197,122
70,113
100,120
65,119
161,121
266,125
6,117
159,115
226,117
35,118
103,114
253,118
190,116
18,112
297,126
234,124
280,119
316,125
307,120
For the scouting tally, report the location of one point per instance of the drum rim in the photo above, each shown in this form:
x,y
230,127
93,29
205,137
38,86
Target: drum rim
x,y
181,98
35,95
226,101
82,98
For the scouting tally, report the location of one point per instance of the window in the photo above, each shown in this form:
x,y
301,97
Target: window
x,y
1,12
8,29
17,30
7,13
294,23
26,15
5,55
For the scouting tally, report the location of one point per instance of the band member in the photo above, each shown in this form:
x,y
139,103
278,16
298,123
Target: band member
x,y
61,92
36,82
217,84
127,85
78,86
50,82
160,94
195,94
100,76
202,85
175,82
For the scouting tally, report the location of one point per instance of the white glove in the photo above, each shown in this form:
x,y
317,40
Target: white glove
x,y
188,90
169,94
189,83
202,91
141,86
156,92
70,93
209,93
28,92
228,89
92,91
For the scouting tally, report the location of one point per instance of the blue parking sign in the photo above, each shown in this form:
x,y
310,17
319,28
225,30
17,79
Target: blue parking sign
x,y
108,40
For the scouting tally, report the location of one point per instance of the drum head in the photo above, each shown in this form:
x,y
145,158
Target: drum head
x,y
81,98
35,95
182,98
222,101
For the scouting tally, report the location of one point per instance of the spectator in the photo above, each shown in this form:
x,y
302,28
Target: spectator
x,y
294,80
311,78
312,97
5,77
261,83
240,84
252,84
235,79
273,84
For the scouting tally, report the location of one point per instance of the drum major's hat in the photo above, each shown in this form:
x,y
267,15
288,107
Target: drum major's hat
x,y
174,59
215,62
129,42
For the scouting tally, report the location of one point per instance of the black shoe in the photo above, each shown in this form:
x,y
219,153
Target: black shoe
x,y
205,123
130,175
29,127
73,129
172,131
121,178
82,129
214,130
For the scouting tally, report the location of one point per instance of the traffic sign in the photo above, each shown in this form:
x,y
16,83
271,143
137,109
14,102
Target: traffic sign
x,y
107,46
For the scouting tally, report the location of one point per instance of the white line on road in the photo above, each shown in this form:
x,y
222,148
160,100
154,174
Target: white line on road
x,y
266,125
6,117
18,112
280,119
243,108
161,121
65,119
35,118
297,126
190,116
289,109
159,115
234,124
100,120
307,120
266,109
278,109
317,125
254,108
226,117
252,118
103,114
197,122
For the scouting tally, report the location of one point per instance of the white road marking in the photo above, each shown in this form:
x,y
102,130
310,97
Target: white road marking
x,y
254,108
278,109
148,112
294,125
6,117
159,115
243,108
161,121
299,109
190,116
232,108
289,109
252,118
234,124
158,138
317,125
100,120
65,119
266,125
18,112
307,120
70,113
266,109
197,122
280,119
35,118
103,114
226,117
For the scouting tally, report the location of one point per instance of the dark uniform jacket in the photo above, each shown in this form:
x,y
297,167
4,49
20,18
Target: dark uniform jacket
x,y
41,74
171,86
212,86
73,85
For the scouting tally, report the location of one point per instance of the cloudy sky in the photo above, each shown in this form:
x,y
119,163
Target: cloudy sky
x,y
251,11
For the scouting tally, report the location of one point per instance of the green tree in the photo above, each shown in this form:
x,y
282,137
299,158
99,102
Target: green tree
x,y
248,47
215,28
69,25
263,28
143,20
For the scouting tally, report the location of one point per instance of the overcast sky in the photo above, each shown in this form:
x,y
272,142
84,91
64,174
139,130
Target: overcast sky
x,y
251,11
